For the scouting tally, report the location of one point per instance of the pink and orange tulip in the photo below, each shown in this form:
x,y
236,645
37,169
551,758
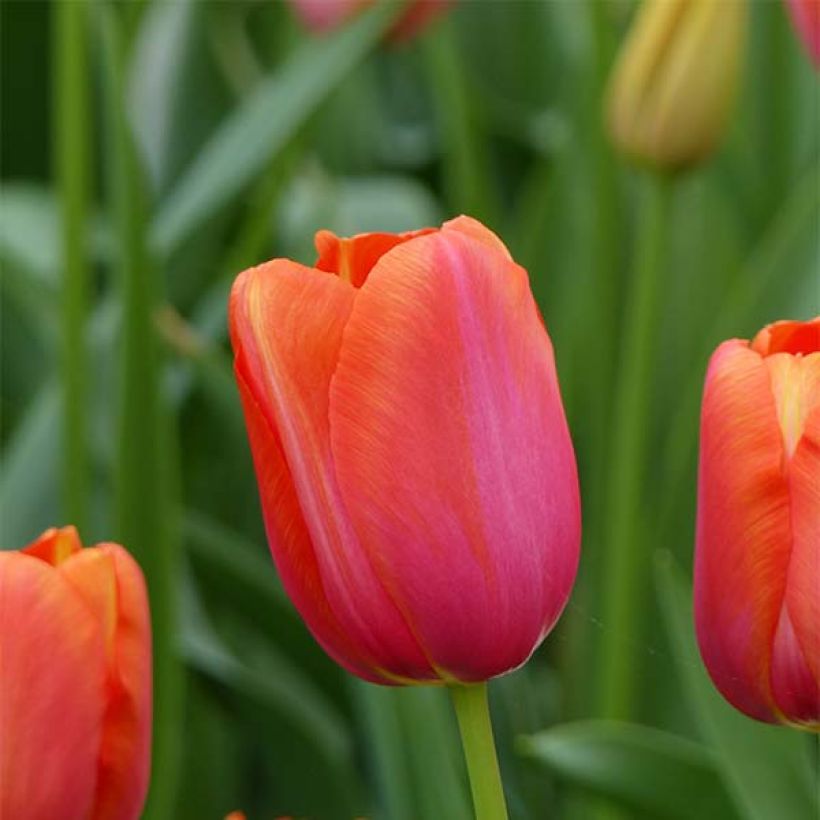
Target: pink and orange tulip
x,y
417,476
757,563
326,15
75,681
806,18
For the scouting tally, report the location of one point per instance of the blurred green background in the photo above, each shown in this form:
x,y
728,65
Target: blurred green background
x,y
151,150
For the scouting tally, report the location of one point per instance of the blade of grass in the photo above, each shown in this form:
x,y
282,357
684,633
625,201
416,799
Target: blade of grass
x,y
144,470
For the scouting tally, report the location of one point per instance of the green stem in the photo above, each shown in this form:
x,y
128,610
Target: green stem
x,y
71,160
146,467
473,713
463,146
626,565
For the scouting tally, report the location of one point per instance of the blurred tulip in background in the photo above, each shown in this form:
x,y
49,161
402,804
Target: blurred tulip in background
x,y
326,15
675,80
416,472
806,16
75,681
757,568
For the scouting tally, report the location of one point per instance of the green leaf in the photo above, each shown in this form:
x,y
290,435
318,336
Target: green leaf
x,y
765,767
29,495
30,232
643,769
415,752
263,124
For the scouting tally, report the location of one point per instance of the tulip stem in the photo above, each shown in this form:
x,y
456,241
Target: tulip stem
x,y
145,479
473,714
72,168
625,569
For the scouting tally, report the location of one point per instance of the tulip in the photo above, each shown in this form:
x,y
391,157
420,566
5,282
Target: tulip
x,y
417,477
75,685
326,15
675,79
806,18
757,563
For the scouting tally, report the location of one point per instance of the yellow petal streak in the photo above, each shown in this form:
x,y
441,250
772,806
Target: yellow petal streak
x,y
796,386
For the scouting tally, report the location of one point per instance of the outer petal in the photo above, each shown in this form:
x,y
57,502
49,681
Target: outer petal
x,y
111,584
796,661
286,326
452,450
744,532
52,685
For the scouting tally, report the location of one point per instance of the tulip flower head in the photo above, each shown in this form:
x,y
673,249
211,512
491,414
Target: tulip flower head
x,y
327,15
675,79
806,18
75,681
416,473
757,563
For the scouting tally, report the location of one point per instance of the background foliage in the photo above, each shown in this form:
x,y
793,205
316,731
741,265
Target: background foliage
x,y
151,150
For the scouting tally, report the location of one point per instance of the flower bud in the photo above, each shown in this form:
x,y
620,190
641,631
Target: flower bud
x,y
75,686
757,562
675,80
417,477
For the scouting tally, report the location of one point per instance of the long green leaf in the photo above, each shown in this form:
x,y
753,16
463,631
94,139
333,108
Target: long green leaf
x,y
28,483
765,768
637,767
263,124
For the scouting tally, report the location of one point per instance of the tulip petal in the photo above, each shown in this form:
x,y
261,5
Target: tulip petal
x,y
452,451
112,586
353,258
286,326
55,545
475,230
744,528
49,714
802,599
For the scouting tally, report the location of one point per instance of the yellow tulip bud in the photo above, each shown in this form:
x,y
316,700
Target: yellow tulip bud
x,y
675,79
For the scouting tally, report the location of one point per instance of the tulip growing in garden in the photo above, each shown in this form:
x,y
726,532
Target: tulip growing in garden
x,y
675,80
757,564
416,472
326,15
75,681
806,17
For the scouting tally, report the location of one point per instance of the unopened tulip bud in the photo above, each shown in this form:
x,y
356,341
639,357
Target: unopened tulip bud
x,y
675,80
416,472
75,685
757,563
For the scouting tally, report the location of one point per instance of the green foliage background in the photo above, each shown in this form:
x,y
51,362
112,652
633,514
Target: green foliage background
x,y
151,150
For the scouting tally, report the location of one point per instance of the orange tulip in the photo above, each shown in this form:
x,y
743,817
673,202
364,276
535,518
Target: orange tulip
x,y
757,563
75,681
415,468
